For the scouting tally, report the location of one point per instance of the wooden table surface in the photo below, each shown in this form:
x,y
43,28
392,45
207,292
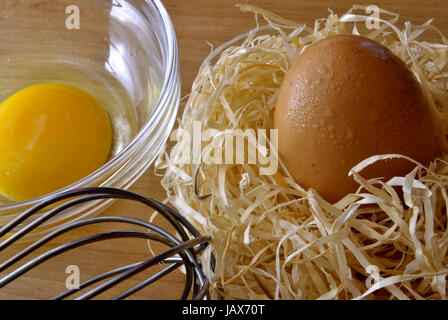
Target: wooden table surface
x,y
196,22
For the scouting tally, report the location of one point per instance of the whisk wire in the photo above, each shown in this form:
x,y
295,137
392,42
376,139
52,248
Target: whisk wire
x,y
186,248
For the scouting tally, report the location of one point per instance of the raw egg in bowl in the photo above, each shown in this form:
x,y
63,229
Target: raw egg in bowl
x,y
88,95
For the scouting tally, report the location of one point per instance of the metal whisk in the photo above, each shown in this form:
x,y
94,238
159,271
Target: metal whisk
x,y
183,250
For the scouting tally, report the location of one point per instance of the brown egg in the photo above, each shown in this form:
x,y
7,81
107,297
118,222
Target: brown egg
x,y
343,100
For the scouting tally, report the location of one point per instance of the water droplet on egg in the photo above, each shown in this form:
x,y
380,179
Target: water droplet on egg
x,y
350,134
374,116
329,113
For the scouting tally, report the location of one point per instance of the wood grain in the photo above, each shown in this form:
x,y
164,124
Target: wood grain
x,y
199,24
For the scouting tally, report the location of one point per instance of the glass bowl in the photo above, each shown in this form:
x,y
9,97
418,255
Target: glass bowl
x,y
123,52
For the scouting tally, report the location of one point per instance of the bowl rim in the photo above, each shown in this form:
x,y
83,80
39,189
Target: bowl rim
x,y
171,78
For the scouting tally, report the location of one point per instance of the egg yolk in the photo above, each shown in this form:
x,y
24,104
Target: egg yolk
x,y
51,135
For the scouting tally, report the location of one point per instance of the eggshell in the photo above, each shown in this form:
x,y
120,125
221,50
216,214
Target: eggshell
x,y
344,99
